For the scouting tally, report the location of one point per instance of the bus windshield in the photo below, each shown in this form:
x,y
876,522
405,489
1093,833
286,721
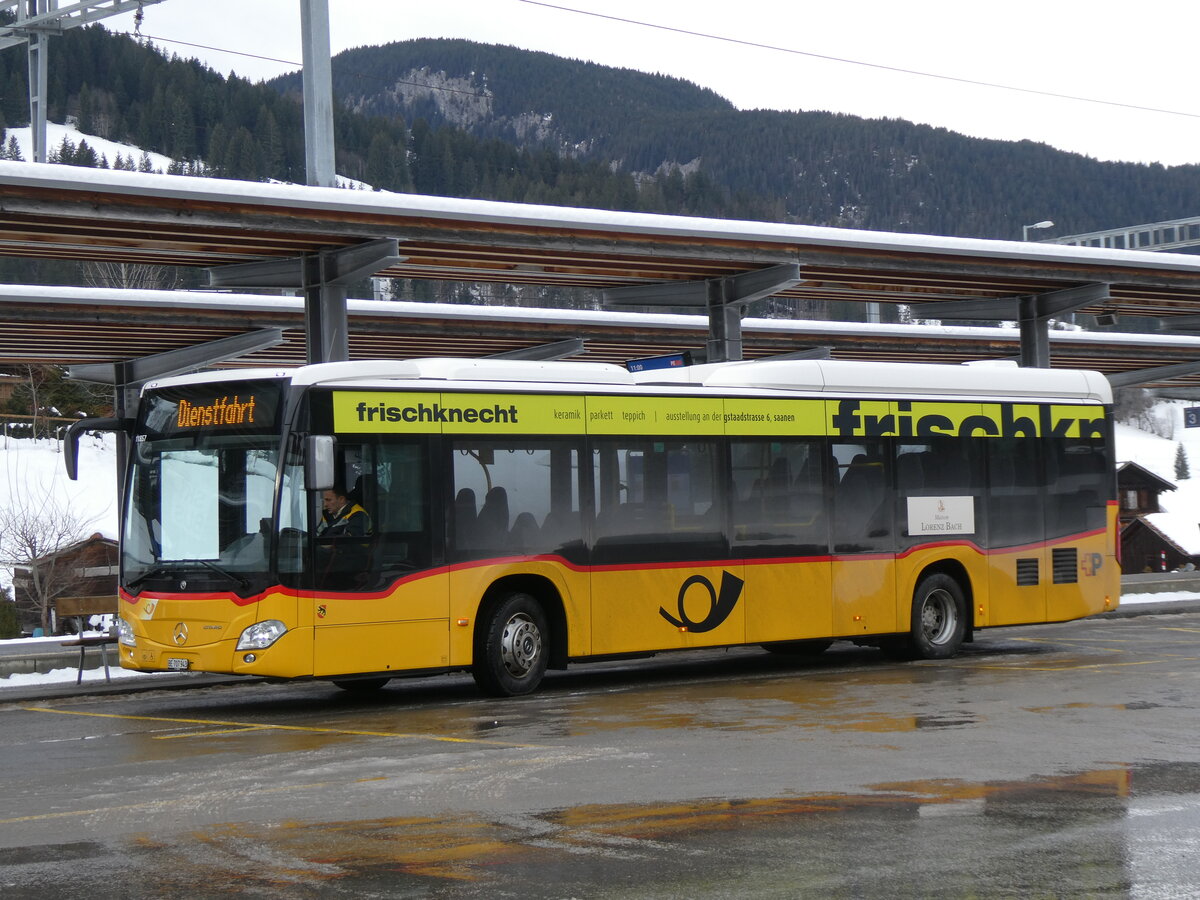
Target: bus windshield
x,y
201,497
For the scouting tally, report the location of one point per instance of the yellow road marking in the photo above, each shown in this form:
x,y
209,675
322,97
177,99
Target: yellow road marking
x,y
1017,667
302,728
149,804
191,734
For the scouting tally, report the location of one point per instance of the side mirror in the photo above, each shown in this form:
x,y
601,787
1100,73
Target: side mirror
x,y
320,457
71,439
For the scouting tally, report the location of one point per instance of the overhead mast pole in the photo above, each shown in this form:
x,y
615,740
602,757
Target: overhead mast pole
x,y
327,324
318,93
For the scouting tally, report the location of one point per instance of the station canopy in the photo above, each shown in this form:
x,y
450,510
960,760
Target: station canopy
x,y
59,212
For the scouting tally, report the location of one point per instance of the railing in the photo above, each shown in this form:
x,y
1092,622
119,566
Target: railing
x,y
22,426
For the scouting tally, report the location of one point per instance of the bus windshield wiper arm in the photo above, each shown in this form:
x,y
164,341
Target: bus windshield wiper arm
x,y
231,576
157,569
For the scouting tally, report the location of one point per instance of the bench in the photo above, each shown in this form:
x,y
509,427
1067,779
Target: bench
x,y
102,641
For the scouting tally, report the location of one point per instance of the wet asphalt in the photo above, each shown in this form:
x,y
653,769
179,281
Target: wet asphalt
x,y
1050,761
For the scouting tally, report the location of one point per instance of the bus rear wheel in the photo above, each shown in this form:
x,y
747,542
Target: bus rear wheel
x,y
511,647
939,618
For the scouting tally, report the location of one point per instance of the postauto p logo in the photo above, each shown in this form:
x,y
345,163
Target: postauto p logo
x,y
720,603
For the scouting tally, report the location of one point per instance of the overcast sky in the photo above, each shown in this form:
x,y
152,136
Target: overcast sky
x,y
1123,53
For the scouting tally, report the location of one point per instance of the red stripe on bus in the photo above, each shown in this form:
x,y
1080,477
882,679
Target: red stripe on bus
x,y
608,567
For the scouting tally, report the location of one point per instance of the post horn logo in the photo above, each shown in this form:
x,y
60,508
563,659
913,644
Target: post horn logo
x,y
181,633
721,603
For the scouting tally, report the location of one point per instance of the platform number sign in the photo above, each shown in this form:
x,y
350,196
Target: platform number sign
x,y
1191,417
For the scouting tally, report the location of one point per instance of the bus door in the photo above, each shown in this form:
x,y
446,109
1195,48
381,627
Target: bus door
x,y
940,490
1018,557
515,512
863,531
378,605
781,532
661,572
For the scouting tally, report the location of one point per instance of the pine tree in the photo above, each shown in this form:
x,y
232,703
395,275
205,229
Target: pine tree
x,y
1181,463
87,110
381,168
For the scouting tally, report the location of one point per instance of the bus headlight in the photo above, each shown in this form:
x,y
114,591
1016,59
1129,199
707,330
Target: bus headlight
x,y
125,633
261,635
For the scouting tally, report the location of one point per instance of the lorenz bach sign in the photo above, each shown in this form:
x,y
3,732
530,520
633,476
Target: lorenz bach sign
x,y
425,413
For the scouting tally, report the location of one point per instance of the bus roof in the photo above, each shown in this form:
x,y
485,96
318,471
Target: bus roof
x,y
990,381
993,379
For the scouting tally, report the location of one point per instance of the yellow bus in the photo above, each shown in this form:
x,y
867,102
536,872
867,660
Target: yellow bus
x,y
514,516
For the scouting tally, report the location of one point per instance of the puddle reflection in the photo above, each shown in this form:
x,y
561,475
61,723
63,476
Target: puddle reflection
x,y
1095,833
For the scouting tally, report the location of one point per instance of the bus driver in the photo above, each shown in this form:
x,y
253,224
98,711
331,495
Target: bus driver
x,y
342,518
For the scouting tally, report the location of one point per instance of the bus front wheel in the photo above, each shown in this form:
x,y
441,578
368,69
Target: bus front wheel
x,y
939,618
511,647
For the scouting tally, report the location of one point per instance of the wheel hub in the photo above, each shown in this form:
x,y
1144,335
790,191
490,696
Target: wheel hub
x,y
937,617
520,645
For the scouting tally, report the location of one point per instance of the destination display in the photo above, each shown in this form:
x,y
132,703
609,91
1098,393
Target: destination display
x,y
457,413
243,406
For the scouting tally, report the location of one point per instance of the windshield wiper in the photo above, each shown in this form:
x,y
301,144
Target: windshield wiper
x,y
232,576
174,567
159,569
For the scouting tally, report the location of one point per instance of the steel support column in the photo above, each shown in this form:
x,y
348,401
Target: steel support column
x,y
1031,313
324,277
724,322
1035,334
723,298
326,328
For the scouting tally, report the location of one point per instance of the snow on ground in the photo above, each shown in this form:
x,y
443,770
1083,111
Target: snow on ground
x,y
32,473
110,150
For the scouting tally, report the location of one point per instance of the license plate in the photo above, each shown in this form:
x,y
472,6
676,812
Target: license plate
x,y
178,665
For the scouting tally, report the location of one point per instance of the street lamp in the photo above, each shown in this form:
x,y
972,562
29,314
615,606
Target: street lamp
x,y
1025,228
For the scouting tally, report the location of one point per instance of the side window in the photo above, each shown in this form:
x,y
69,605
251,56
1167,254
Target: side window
x,y
779,495
862,508
1078,486
515,498
388,494
657,499
344,537
396,494
939,484
1015,491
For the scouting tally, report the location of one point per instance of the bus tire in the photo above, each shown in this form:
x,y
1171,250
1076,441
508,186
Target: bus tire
x,y
814,647
512,646
360,685
939,618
